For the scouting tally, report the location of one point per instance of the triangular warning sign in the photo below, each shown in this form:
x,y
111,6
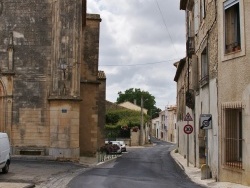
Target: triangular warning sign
x,y
188,117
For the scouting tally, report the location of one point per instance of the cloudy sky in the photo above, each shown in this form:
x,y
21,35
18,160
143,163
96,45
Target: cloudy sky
x,y
139,42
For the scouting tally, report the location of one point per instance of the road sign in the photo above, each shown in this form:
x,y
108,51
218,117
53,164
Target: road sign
x,y
188,117
206,121
188,129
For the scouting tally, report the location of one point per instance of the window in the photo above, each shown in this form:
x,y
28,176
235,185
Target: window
x,y
232,26
204,67
203,9
232,117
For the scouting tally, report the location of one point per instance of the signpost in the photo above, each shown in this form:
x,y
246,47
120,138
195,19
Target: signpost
x,y
188,117
206,123
188,129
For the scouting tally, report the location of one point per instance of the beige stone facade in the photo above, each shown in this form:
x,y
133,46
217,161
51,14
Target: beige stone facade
x,y
200,88
217,58
50,87
171,123
234,97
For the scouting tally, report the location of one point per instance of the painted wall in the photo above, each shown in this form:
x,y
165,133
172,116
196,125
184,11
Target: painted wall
x,y
234,84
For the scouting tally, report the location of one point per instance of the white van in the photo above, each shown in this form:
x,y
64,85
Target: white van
x,y
4,153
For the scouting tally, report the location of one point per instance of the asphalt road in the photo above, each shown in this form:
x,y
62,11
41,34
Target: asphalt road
x,y
139,168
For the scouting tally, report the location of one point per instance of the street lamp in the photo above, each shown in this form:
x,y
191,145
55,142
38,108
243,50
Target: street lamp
x,y
142,122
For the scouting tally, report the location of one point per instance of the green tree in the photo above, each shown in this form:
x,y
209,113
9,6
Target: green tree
x,y
135,94
117,120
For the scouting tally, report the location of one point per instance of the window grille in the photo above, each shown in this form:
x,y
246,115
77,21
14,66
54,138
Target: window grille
x,y
232,134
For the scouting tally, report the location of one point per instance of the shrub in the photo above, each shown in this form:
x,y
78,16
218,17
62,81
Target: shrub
x,y
109,148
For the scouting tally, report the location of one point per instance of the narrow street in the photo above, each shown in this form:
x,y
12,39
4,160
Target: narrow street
x,y
140,167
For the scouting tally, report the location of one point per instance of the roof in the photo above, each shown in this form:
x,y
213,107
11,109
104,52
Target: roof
x,y
180,66
132,106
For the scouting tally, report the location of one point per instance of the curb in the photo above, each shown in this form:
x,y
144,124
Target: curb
x,y
107,161
177,162
30,186
16,185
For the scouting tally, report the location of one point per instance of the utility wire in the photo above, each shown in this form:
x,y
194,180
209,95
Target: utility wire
x,y
165,25
140,64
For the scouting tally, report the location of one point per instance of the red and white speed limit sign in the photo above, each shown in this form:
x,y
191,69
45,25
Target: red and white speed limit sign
x,y
188,129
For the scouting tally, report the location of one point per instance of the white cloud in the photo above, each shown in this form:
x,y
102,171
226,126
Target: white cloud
x,y
133,32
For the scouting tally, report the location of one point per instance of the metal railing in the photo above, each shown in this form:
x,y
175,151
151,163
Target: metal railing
x,y
232,131
102,156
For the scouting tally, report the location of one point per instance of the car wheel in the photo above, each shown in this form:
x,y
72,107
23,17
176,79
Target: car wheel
x,y
5,169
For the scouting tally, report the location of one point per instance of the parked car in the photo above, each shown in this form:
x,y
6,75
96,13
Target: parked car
x,y
123,146
4,153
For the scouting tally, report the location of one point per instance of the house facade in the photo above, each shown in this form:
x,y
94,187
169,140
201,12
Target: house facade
x,y
159,129
155,127
213,81
51,89
234,90
199,84
162,133
171,123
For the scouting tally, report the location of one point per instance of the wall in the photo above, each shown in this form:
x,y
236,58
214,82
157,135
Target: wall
x,y
234,84
134,137
24,69
206,95
101,109
171,122
47,49
64,129
204,32
90,88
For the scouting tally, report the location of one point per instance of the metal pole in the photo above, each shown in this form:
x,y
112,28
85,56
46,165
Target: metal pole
x,y
207,174
188,147
141,126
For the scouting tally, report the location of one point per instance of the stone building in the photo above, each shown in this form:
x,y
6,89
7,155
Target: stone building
x,y
52,99
171,123
217,84
234,90
200,83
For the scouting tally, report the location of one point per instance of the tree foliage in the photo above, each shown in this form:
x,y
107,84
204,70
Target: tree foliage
x,y
134,95
116,119
119,122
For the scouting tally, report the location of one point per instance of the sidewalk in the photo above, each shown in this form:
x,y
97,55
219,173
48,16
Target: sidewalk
x,y
195,174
